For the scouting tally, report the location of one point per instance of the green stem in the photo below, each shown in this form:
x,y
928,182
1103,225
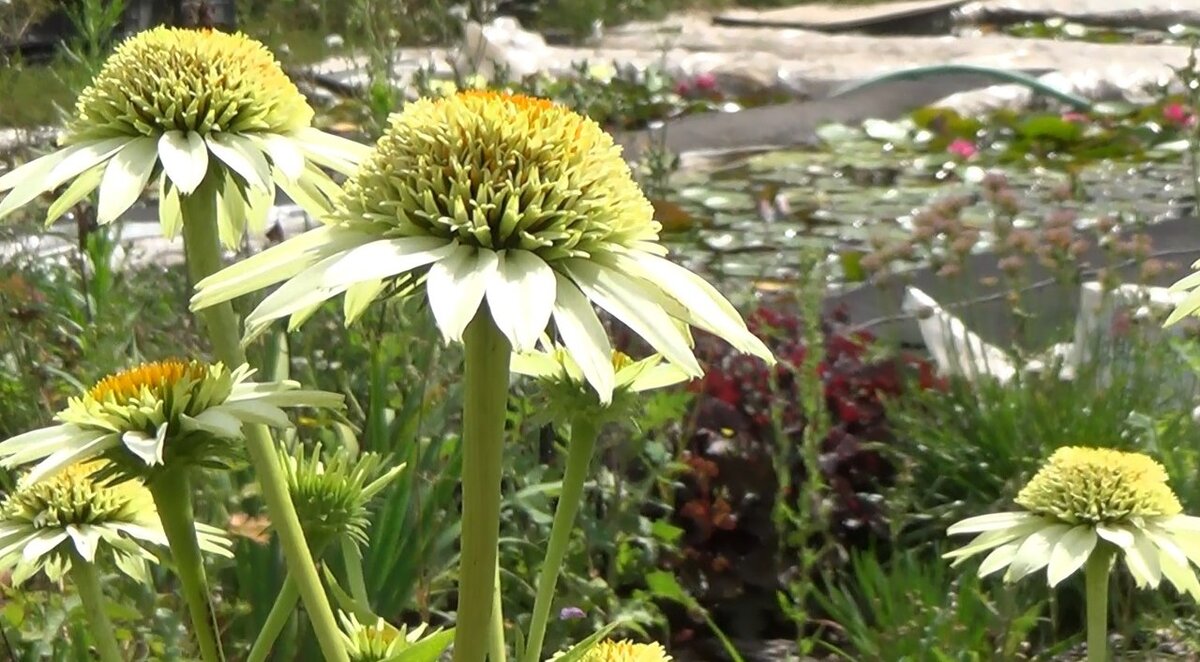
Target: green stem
x,y
1095,574
87,582
486,398
203,251
172,492
496,651
277,620
354,573
579,456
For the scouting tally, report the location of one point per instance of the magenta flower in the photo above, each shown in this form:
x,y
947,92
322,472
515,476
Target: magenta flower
x,y
962,148
1076,117
705,82
1178,114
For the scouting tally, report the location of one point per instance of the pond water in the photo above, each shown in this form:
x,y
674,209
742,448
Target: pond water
x,y
750,218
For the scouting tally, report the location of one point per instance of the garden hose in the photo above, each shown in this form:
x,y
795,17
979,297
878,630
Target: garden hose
x,y
916,73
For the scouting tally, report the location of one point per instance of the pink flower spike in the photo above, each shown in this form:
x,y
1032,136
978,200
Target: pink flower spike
x,y
1178,114
962,148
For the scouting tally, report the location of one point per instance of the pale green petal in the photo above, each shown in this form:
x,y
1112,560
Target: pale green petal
x,y
80,188
139,532
259,202
213,540
68,456
521,297
383,259
1189,305
45,541
48,172
50,438
584,337
1142,560
298,294
218,422
636,307
989,540
359,297
170,212
1176,523
1180,574
1034,552
32,170
292,398
275,264
285,155
657,376
185,159
706,308
86,539
304,192
534,364
134,567
331,151
125,178
256,411
242,157
1070,553
72,437
455,286
231,213
1118,535
999,558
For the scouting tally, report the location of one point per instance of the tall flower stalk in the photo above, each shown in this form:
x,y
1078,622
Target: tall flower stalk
x,y
508,214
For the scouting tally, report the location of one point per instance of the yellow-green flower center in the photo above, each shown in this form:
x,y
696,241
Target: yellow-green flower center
x,y
158,378
1097,485
74,497
500,171
171,79
626,651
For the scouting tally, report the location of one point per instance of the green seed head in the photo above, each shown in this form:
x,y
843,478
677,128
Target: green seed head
x,y
75,497
171,79
378,642
1098,485
332,496
501,171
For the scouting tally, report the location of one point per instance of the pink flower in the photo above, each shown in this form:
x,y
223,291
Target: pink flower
x,y
1076,117
962,148
705,82
1178,114
683,88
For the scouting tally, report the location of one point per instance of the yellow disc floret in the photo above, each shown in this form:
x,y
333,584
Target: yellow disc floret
x,y
626,651
172,79
157,377
501,171
74,497
1098,485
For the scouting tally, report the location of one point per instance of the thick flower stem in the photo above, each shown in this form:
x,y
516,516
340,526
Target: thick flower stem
x,y
1095,574
579,456
203,252
486,398
277,620
87,582
172,492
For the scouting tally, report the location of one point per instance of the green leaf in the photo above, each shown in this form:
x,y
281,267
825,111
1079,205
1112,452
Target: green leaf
x,y
664,585
1050,126
666,532
428,649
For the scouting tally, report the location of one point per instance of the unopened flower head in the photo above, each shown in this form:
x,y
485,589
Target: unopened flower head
x,y
332,495
379,641
507,200
77,515
1084,499
623,651
161,413
189,104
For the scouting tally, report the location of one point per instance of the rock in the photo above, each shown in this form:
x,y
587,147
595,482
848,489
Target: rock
x,y
1150,14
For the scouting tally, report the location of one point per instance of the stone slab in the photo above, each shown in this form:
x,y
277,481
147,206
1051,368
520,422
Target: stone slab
x,y
834,17
1149,14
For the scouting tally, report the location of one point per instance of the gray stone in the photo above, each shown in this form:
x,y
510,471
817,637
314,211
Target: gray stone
x,y
1151,14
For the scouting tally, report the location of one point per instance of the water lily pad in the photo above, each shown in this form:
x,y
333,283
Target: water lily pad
x,y
1050,126
835,134
892,132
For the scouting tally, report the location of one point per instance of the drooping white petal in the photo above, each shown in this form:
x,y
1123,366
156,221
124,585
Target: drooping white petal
x,y
1034,552
304,192
1142,560
185,159
534,364
331,151
231,212
1118,535
275,264
48,172
991,522
218,422
147,448
170,212
32,170
455,286
80,188
521,297
999,558
258,208
1179,573
140,532
290,397
43,543
1070,553
359,297
134,567
86,539
659,375
63,458
125,178
383,259
285,155
985,541
637,308
242,157
584,337
705,307
42,442
302,292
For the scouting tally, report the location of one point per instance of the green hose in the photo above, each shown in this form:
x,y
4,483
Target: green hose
x,y
917,73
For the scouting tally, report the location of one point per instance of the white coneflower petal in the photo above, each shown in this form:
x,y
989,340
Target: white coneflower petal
x,y
1070,553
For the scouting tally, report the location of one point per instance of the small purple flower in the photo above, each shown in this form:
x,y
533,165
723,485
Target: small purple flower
x,y
570,614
